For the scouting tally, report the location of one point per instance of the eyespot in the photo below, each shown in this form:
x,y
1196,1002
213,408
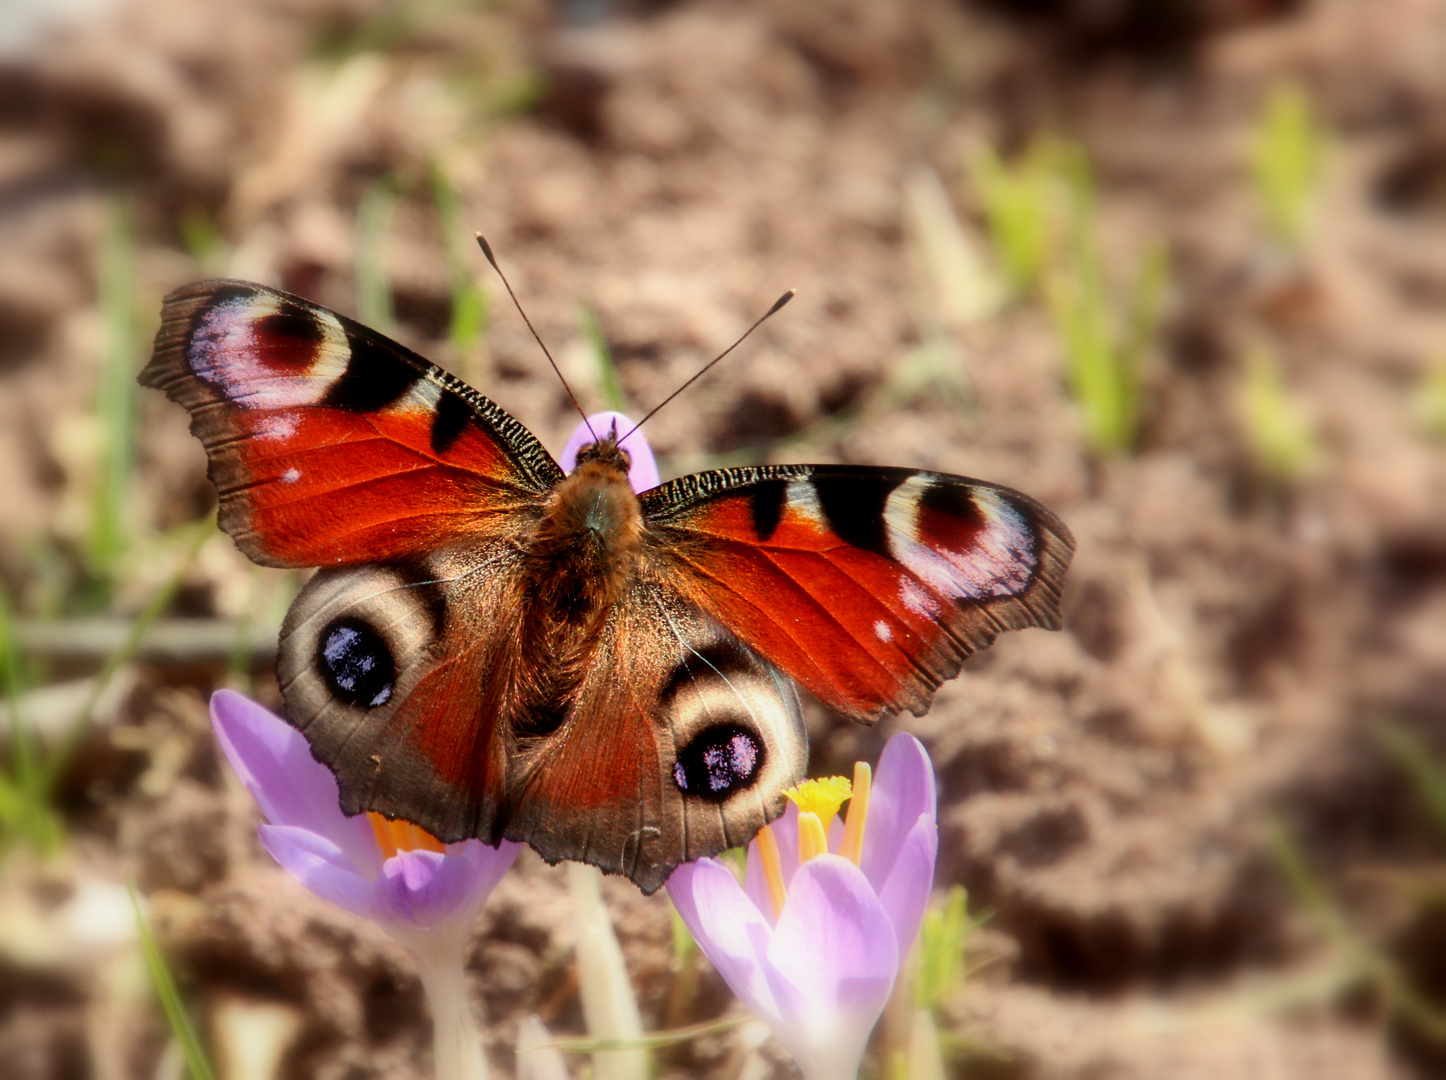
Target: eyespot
x,y
356,663
719,762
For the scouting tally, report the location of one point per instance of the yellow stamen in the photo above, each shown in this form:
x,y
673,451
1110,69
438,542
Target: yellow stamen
x,y
398,835
852,847
772,864
812,840
822,797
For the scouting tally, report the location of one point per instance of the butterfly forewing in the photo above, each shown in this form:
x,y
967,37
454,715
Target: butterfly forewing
x,y
867,585
328,443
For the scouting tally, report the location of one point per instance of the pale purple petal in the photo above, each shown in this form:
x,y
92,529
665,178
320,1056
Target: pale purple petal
x,y
832,962
903,789
834,942
290,786
318,864
905,895
728,927
644,471
422,889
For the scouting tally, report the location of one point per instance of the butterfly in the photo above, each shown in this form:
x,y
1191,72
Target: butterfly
x,y
492,648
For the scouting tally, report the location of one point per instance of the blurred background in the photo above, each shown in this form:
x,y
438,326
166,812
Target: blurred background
x,y
1175,267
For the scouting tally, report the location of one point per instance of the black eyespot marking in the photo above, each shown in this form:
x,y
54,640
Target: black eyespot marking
x,y
375,377
356,663
290,324
854,506
449,423
952,501
719,762
767,500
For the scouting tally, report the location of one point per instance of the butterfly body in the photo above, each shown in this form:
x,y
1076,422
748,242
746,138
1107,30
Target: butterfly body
x,y
492,648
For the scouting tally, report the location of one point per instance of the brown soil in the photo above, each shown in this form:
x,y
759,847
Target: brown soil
x,y
1109,792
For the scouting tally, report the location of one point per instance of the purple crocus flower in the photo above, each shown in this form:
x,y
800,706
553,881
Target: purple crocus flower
x,y
423,893
644,471
815,956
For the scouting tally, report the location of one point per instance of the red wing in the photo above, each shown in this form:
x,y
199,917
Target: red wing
x,y
867,585
329,443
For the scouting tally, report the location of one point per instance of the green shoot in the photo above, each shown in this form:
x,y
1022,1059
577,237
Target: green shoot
x,y
1430,403
469,300
1023,209
47,772
1279,432
685,971
1428,778
607,372
24,811
181,1027
373,289
1358,959
1287,155
390,28
203,240
1105,340
115,402
1105,361
1308,892
943,937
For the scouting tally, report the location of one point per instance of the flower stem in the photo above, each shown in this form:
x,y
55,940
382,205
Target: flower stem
x,y
456,1042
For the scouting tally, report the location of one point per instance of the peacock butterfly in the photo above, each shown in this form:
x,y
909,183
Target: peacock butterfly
x,y
494,649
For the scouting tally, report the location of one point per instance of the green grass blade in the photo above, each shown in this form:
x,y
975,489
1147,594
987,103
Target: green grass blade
x,y
1277,428
652,1041
607,372
1307,891
25,811
1428,778
170,998
55,762
943,937
469,300
1287,154
1429,403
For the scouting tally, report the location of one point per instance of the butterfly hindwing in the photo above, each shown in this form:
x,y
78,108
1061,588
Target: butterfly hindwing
x,y
677,743
867,585
331,444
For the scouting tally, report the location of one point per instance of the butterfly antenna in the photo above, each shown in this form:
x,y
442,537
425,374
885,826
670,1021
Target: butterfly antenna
x,y
777,305
487,250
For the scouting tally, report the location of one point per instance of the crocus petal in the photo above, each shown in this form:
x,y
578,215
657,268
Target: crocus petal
x,y
728,927
831,965
903,789
423,889
644,471
319,865
905,894
290,786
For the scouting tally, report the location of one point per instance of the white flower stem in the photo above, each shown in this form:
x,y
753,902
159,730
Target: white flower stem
x,y
608,1003
456,1042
